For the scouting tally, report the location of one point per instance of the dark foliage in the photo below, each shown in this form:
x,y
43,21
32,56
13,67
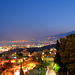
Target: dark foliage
x,y
66,53
57,45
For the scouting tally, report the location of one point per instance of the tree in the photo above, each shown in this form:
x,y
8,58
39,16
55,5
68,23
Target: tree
x,y
57,58
57,45
19,54
21,71
67,53
8,65
34,58
39,58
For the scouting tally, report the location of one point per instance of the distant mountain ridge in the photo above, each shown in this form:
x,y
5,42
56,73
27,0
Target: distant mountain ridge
x,y
55,37
58,36
64,34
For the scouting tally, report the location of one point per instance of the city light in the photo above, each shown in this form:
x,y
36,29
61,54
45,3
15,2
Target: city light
x,y
15,57
50,52
17,72
25,70
24,58
13,61
42,52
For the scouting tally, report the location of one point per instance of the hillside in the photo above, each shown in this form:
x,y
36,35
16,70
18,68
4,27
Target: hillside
x,y
63,35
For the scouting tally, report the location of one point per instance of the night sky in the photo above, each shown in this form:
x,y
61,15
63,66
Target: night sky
x,y
27,19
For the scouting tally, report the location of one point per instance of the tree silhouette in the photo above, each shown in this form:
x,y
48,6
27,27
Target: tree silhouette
x,y
67,53
21,71
57,45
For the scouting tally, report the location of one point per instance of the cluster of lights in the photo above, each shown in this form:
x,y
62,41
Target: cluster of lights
x,y
17,72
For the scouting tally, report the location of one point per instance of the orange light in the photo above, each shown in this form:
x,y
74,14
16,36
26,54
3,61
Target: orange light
x,y
17,72
13,61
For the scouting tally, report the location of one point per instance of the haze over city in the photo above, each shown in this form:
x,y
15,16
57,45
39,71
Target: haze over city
x,y
27,19
37,37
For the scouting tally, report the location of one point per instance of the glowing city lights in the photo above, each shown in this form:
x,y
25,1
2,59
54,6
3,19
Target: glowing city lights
x,y
17,72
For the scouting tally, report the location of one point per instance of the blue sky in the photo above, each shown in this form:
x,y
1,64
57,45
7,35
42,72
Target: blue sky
x,y
27,19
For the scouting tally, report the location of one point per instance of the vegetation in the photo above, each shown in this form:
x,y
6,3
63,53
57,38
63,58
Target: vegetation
x,y
21,71
19,54
66,54
56,67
